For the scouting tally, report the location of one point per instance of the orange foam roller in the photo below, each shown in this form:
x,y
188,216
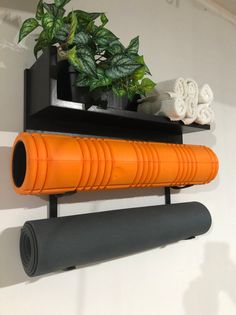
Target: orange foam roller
x,y
54,164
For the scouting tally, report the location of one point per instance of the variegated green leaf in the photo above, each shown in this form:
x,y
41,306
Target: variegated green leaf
x,y
61,3
147,86
83,61
102,80
73,59
81,38
115,47
119,91
88,64
42,42
104,19
73,28
51,25
121,66
140,60
103,37
133,46
95,15
40,10
82,80
63,33
54,10
139,73
27,27
84,18
131,93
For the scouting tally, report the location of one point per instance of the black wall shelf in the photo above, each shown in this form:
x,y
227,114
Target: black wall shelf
x,y
44,111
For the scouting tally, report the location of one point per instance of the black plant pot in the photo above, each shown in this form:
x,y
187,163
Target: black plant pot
x,y
108,99
66,88
68,91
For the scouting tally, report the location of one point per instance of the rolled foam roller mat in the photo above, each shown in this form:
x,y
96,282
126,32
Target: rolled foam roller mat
x,y
52,244
54,164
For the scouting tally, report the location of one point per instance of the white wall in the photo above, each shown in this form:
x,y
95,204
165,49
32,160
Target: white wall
x,y
187,278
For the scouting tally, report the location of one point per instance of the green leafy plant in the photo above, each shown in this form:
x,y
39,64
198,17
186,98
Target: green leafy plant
x,y
101,60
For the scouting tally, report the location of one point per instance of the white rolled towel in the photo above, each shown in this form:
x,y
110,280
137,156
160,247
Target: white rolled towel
x,y
192,88
177,86
205,114
205,95
149,107
157,97
191,113
174,108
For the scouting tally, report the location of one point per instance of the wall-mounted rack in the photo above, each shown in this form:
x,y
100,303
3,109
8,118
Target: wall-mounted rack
x,y
47,110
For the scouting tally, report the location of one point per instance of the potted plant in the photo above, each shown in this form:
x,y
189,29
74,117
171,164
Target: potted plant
x,y
100,68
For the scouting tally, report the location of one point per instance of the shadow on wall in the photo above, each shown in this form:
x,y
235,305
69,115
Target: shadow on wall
x,y
14,59
22,5
176,3
11,270
9,199
218,274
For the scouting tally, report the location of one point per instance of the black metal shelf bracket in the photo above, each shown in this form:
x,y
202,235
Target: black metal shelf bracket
x,y
167,196
168,199
53,199
53,203
53,206
53,213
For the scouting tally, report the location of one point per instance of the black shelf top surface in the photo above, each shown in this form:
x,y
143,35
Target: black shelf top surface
x,y
160,121
110,123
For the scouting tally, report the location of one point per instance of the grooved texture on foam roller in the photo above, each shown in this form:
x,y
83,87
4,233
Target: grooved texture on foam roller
x,y
49,164
58,243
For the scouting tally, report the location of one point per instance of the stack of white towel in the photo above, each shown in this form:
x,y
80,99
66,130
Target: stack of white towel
x,y
180,99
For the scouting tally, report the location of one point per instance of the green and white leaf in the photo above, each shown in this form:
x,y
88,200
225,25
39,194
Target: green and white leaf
x,y
42,42
102,80
95,15
132,90
115,47
83,61
73,28
61,3
27,27
39,11
51,25
90,27
119,91
133,46
88,64
63,33
140,60
103,37
84,18
73,59
147,86
139,73
81,38
104,19
82,80
121,66
54,10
